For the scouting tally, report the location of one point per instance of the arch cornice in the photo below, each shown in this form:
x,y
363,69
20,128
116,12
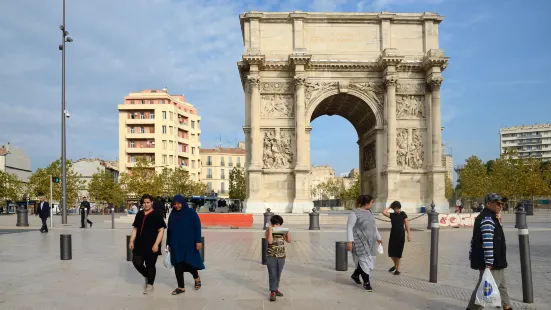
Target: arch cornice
x,y
314,102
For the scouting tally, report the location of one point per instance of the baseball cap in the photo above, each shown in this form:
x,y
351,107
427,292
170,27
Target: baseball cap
x,y
494,197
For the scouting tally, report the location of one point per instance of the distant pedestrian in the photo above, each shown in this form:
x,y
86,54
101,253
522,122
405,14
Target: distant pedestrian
x,y
85,209
458,204
399,221
43,213
363,240
488,249
183,240
145,242
276,254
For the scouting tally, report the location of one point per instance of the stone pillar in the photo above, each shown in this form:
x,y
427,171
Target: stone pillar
x,y
300,124
436,126
390,82
254,88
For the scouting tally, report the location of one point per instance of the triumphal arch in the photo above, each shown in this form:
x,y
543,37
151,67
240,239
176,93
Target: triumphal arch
x,y
380,71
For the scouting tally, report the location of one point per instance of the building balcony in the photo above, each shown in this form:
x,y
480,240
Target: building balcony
x,y
209,176
137,107
147,135
140,150
183,140
528,142
140,121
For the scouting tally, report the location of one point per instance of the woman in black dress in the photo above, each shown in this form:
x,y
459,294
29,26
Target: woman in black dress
x,y
398,219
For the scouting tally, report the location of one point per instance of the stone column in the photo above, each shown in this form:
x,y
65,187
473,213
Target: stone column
x,y
254,88
390,82
300,124
435,82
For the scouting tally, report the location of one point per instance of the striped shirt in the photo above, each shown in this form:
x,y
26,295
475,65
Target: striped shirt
x,y
487,228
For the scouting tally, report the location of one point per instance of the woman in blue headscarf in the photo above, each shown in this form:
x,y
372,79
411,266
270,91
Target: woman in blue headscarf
x,y
184,242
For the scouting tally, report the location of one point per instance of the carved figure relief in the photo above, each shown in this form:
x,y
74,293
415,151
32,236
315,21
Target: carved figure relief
x,y
278,151
410,106
314,88
277,87
274,106
411,89
409,154
373,90
369,157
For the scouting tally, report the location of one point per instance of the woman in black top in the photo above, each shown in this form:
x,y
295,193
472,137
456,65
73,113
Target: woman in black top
x,y
145,241
398,219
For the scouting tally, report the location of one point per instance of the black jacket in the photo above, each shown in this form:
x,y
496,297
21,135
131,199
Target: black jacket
x,y
85,205
496,242
43,212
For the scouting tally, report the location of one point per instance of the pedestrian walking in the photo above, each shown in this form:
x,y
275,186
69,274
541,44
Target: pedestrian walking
x,y
488,249
145,242
363,240
399,221
275,256
43,212
458,204
183,241
85,209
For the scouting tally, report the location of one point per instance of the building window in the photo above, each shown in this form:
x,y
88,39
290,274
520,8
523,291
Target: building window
x,y
171,130
142,116
142,130
209,173
131,101
132,159
171,143
164,114
152,115
171,159
222,175
238,164
164,129
132,144
192,124
230,162
164,159
209,161
193,164
222,161
150,101
193,151
171,116
198,123
162,101
164,144
142,101
222,188
131,129
131,115
209,184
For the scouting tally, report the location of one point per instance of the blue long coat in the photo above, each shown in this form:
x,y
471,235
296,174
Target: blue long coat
x,y
183,233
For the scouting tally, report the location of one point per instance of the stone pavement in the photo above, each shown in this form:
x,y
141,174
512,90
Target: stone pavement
x,y
99,277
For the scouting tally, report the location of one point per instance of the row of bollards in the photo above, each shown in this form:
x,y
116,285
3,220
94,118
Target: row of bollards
x,y
314,219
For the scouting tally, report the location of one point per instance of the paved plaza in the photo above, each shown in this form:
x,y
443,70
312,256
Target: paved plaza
x,y
99,277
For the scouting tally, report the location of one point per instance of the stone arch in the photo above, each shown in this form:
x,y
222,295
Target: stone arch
x,y
375,108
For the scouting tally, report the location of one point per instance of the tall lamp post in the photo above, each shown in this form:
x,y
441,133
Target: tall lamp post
x,y
64,114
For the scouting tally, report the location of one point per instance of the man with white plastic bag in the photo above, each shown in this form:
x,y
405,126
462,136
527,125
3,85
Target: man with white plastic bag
x,y
489,255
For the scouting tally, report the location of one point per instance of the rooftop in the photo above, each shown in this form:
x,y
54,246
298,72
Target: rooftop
x,y
526,127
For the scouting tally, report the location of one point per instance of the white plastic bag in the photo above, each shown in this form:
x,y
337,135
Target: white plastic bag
x,y
380,248
167,262
487,293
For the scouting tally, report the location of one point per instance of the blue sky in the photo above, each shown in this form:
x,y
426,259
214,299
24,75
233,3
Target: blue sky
x,y
497,75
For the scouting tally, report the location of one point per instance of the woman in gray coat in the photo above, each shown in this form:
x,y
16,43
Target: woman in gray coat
x,y
363,240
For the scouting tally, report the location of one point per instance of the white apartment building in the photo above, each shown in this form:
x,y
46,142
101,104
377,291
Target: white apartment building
x,y
528,140
163,128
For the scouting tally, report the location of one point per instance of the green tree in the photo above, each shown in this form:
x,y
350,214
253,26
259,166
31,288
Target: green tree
x,y
448,188
39,182
142,179
474,178
11,187
533,180
237,183
180,183
103,189
506,177
353,191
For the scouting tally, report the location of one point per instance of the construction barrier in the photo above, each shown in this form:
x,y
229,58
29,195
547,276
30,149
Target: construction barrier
x,y
226,220
457,219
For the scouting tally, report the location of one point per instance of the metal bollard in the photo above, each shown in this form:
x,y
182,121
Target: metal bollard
x,y
434,232
85,218
22,217
202,251
65,247
432,216
525,260
314,220
341,256
128,251
264,251
267,216
113,218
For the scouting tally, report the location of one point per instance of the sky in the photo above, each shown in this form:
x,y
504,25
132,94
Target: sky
x,y
497,75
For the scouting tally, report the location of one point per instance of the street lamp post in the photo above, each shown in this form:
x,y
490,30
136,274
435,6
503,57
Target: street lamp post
x,y
64,114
